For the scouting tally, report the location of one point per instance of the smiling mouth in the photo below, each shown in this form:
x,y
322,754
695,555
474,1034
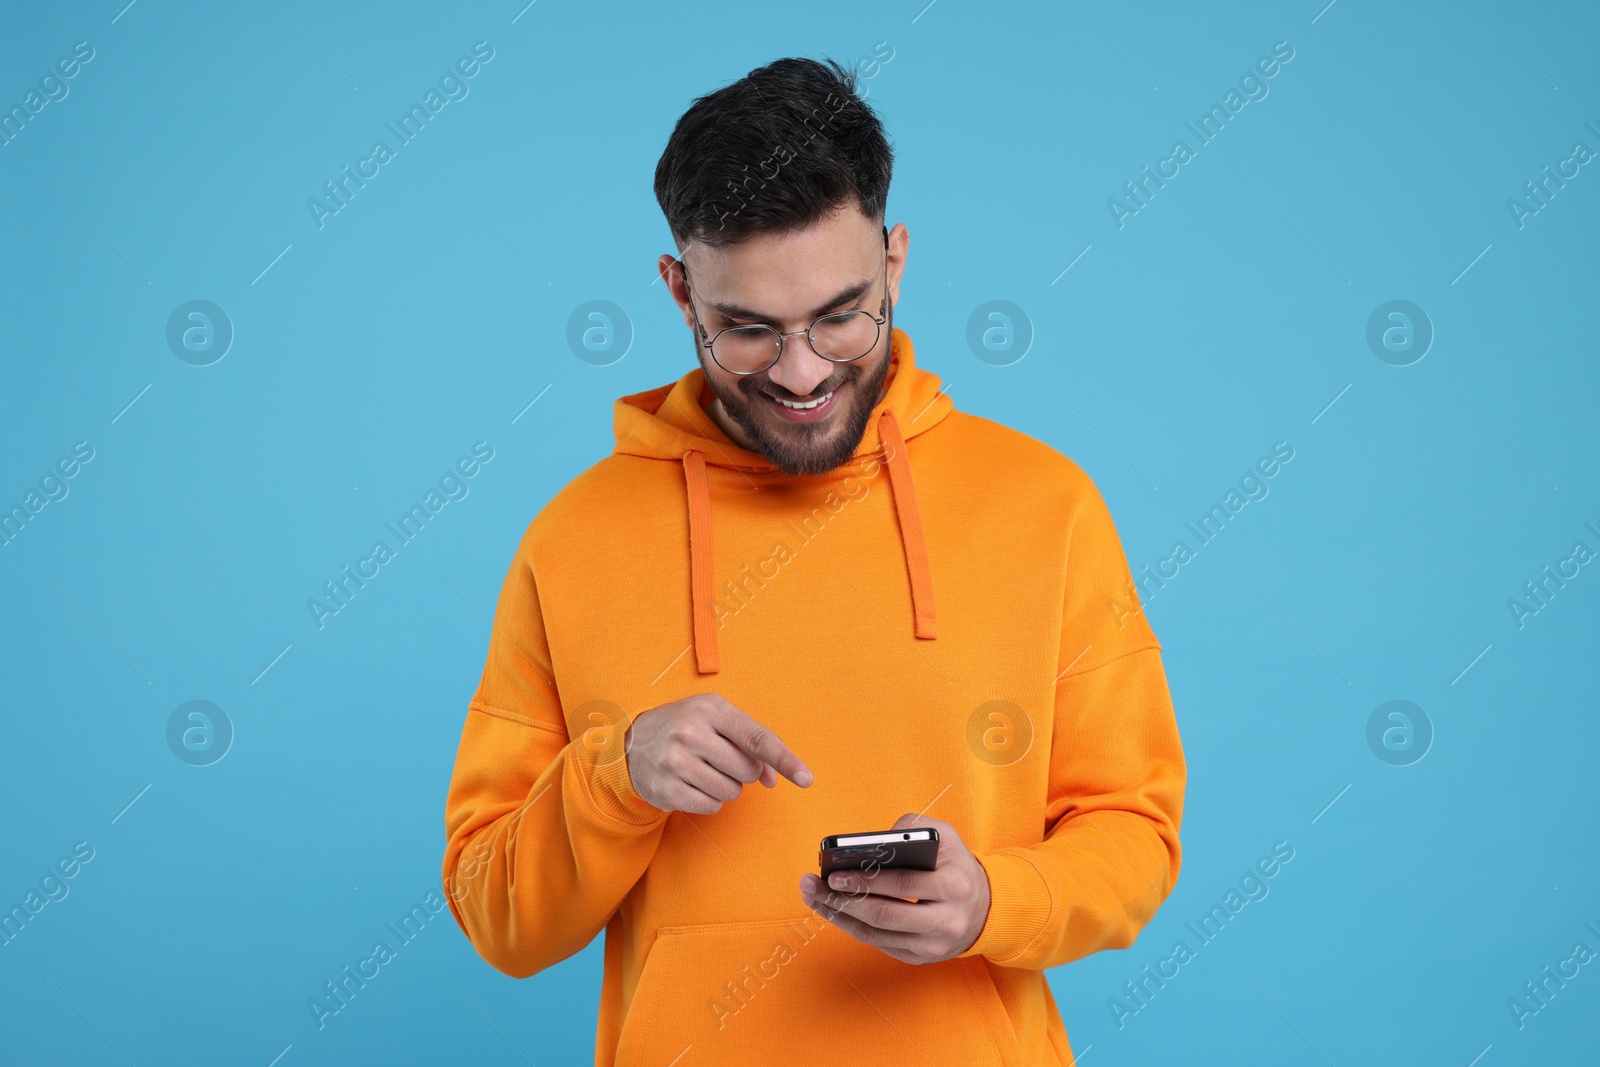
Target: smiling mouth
x,y
807,405
813,410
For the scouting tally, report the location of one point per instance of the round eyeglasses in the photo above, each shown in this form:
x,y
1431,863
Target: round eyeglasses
x,y
839,337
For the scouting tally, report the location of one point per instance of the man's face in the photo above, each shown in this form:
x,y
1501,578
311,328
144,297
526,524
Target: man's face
x,y
785,281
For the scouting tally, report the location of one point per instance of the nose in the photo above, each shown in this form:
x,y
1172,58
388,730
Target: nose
x,y
799,369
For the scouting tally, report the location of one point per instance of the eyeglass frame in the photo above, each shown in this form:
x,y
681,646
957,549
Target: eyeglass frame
x,y
879,319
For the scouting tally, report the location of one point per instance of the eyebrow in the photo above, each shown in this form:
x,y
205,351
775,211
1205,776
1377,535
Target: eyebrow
x,y
848,294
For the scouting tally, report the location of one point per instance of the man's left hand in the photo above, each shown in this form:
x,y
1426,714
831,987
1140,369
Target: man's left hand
x,y
875,906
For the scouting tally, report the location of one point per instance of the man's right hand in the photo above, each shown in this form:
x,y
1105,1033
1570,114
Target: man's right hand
x,y
693,754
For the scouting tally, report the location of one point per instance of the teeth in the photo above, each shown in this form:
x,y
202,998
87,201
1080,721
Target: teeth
x,y
804,407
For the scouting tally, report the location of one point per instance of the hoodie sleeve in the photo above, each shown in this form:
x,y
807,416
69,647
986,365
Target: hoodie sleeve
x,y
1109,854
545,834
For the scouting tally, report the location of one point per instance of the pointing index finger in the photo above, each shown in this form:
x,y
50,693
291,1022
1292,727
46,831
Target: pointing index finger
x,y
762,743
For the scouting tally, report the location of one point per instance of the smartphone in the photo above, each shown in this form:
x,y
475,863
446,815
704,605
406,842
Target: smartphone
x,y
916,850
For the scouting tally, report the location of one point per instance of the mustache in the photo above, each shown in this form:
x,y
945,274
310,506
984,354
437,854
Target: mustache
x,y
822,388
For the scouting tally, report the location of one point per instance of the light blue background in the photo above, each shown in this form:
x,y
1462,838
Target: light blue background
x,y
1224,316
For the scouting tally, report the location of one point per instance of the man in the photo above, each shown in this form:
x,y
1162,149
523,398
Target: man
x,y
801,562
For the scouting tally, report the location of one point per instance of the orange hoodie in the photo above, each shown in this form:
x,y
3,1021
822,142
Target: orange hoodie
x,y
930,627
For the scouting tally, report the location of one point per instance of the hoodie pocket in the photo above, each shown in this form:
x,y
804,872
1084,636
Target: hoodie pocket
x,y
787,989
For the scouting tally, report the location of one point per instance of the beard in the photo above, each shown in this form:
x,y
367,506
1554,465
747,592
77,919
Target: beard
x,y
801,448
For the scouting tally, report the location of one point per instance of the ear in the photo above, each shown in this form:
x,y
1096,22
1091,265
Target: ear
x,y
671,271
899,249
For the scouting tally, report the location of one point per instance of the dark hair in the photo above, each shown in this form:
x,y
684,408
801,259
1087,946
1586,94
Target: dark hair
x,y
775,151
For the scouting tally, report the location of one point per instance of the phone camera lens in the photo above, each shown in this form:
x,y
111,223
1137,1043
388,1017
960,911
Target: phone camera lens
x,y
906,836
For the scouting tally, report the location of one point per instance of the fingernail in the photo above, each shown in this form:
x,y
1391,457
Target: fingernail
x,y
841,881
804,777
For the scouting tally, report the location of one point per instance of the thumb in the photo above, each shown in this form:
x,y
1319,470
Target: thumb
x,y
769,777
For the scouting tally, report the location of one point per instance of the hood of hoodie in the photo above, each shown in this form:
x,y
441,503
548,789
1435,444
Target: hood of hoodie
x,y
671,423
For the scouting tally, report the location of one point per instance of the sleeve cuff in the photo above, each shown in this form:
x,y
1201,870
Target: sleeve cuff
x,y
611,793
1021,907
